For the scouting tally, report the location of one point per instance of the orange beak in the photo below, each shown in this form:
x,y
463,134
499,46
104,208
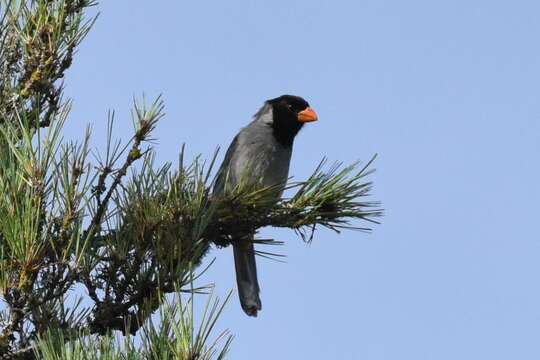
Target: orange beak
x,y
307,115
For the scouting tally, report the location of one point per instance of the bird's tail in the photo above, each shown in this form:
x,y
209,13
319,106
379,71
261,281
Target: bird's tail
x,y
246,275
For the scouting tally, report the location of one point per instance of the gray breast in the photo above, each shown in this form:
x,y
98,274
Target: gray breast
x,y
260,158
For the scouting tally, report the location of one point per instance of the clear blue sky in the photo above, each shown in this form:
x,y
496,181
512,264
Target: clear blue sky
x,y
448,94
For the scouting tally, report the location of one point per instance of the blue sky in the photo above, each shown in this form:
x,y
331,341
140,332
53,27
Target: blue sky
x,y
447,93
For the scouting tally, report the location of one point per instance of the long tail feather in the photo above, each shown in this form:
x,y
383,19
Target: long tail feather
x,y
246,275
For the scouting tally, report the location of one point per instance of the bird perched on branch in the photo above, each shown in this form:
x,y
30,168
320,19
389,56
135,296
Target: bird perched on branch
x,y
259,156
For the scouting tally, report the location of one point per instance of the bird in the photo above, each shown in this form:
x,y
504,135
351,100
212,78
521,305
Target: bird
x,y
259,156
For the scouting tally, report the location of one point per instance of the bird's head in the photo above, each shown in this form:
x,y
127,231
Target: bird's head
x,y
290,113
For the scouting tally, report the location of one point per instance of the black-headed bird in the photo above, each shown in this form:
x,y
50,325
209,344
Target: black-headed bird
x,y
259,156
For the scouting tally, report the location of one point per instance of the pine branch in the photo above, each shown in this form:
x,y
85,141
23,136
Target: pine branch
x,y
38,41
332,199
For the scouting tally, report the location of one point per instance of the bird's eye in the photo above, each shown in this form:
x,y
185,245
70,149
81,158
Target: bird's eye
x,y
290,106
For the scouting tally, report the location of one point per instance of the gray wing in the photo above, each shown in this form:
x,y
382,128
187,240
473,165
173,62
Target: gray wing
x,y
223,171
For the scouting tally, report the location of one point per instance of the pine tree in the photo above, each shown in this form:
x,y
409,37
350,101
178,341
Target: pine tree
x,y
91,245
